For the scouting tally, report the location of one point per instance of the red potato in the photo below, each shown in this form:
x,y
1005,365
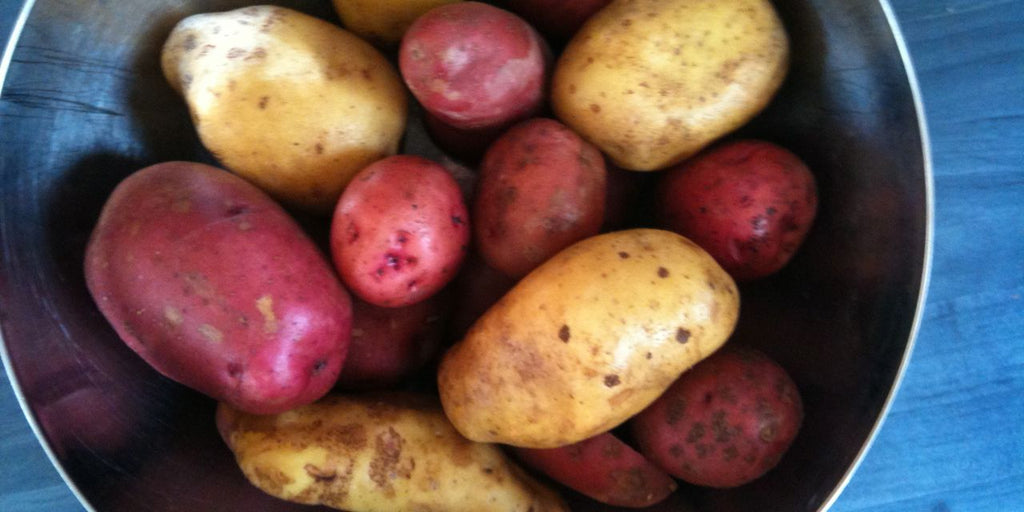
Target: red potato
x,y
475,66
557,20
467,145
216,287
604,469
475,290
749,203
541,188
725,422
400,231
390,344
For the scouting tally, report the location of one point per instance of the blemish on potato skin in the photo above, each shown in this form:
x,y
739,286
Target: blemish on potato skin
x,y
611,380
682,335
662,272
563,333
211,333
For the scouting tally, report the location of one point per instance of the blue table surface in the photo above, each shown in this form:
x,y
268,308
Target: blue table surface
x,y
954,437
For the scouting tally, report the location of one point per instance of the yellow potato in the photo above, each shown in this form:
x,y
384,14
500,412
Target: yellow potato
x,y
378,453
588,339
290,102
651,82
383,21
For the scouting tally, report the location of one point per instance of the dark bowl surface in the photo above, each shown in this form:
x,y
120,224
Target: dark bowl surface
x,y
84,104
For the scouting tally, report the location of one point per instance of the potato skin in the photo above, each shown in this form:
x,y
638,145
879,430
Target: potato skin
x,y
378,453
213,284
588,339
475,66
556,20
288,101
724,423
400,231
541,188
603,468
651,82
389,345
383,22
749,203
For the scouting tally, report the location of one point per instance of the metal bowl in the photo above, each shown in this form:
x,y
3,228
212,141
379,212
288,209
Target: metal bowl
x,y
84,104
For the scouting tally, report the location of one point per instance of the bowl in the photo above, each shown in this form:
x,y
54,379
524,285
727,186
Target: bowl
x,y
84,104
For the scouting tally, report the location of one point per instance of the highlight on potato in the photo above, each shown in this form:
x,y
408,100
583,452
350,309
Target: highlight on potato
x,y
521,312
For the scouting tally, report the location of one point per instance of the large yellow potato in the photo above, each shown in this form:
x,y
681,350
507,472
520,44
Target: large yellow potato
x,y
288,101
383,22
587,339
378,453
651,82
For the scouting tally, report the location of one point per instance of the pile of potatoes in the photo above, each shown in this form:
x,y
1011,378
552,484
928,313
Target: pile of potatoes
x,y
547,298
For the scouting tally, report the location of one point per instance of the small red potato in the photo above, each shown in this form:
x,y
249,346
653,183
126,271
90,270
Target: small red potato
x,y
541,189
604,469
400,231
390,344
749,203
474,65
725,422
216,287
477,287
557,20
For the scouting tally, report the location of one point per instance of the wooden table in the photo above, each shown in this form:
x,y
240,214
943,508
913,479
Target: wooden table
x,y
954,439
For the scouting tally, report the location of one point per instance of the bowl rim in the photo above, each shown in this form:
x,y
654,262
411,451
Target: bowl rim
x,y
922,292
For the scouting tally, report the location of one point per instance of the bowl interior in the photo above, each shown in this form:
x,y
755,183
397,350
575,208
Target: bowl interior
x,y
84,104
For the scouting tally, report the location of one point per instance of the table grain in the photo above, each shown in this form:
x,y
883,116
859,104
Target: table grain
x,y
954,437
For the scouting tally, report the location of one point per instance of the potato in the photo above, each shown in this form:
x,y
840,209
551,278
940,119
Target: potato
x,y
475,66
378,453
390,344
725,422
651,82
214,285
383,22
288,101
588,339
558,20
749,203
400,231
541,188
604,469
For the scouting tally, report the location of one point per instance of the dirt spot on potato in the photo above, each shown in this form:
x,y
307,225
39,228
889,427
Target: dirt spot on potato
x,y
387,454
674,411
320,475
663,272
563,333
611,380
682,335
623,255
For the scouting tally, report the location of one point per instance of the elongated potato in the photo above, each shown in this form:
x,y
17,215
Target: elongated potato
x,y
587,339
288,101
378,453
215,286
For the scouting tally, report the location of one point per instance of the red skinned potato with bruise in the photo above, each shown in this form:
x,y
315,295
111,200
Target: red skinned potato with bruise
x,y
749,203
216,287
541,188
475,66
725,422
603,468
400,231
